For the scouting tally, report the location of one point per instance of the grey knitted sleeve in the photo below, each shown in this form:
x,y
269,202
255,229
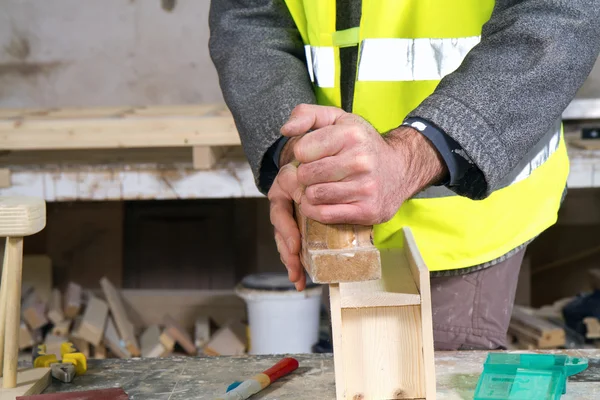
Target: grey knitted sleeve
x,y
259,56
513,86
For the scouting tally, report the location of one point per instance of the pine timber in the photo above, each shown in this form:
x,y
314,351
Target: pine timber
x,y
113,341
62,328
92,325
229,340
55,309
179,334
29,381
530,329
72,300
125,127
592,328
151,344
34,311
124,325
167,341
25,337
201,331
337,253
4,178
382,331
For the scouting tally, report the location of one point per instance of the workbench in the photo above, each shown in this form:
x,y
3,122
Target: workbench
x,y
184,378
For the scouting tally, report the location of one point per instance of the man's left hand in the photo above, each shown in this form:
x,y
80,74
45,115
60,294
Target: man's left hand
x,y
353,175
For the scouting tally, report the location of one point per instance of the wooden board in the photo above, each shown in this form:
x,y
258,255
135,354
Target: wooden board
x,y
180,335
34,311
55,309
4,178
174,126
337,253
202,331
29,381
62,328
72,301
151,344
530,329
25,337
113,341
21,215
229,340
383,339
205,157
124,325
93,323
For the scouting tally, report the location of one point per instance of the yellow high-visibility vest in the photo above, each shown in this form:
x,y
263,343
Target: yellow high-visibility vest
x,y
405,48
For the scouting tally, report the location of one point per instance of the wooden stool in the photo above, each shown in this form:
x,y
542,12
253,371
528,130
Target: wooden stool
x,y
19,217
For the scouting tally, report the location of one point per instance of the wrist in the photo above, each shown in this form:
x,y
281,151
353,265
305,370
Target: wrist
x,y
422,162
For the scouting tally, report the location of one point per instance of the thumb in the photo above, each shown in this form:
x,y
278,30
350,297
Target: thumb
x,y
306,117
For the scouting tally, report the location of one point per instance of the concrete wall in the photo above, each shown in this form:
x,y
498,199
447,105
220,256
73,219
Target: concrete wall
x,y
111,52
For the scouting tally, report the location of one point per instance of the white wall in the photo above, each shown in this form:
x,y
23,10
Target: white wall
x,y
104,52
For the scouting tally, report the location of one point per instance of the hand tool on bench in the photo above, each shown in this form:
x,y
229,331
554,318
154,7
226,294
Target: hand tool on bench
x,y
73,362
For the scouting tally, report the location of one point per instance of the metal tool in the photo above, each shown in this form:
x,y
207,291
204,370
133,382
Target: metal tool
x,y
73,362
526,376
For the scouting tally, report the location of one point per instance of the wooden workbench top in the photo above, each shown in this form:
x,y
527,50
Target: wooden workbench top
x,y
203,378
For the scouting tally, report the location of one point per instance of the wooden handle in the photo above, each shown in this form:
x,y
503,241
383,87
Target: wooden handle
x,y
3,299
14,253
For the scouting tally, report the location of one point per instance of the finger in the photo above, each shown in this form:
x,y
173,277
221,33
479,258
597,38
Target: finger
x,y
335,214
309,116
301,283
335,169
291,261
287,179
335,193
321,143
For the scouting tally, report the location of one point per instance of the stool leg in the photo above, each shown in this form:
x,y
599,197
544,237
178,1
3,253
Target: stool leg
x,y
3,296
14,247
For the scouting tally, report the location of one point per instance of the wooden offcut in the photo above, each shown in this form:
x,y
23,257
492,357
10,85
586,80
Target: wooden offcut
x,y
151,344
62,328
205,157
93,322
73,300
179,334
29,381
55,309
383,331
5,179
122,322
34,311
113,341
229,340
337,253
592,328
201,331
25,337
532,330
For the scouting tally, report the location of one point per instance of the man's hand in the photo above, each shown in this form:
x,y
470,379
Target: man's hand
x,y
348,174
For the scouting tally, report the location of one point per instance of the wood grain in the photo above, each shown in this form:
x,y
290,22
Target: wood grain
x,y
124,325
29,381
21,216
91,328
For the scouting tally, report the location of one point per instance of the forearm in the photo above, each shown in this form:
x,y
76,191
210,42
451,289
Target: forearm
x,y
259,57
513,86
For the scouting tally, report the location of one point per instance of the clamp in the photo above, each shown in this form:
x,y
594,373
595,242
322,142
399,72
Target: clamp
x,y
73,362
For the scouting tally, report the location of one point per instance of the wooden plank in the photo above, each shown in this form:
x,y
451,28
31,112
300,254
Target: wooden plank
x,y
167,341
55,308
72,301
229,340
37,272
151,344
124,325
201,331
25,337
100,352
393,289
115,131
179,334
29,381
338,349
113,341
337,253
93,323
34,311
62,328
205,157
532,329
5,179
420,274
592,328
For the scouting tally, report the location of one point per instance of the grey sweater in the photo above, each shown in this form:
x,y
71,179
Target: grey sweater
x,y
508,92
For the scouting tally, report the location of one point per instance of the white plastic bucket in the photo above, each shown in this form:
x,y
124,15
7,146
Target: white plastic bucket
x,y
282,320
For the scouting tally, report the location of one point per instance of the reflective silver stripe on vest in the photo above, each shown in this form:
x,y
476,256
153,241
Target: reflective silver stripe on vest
x,y
540,158
321,65
412,59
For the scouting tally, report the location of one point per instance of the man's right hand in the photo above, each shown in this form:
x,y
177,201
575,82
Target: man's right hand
x,y
284,191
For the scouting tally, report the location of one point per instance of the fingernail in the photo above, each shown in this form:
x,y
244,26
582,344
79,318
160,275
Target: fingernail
x,y
291,245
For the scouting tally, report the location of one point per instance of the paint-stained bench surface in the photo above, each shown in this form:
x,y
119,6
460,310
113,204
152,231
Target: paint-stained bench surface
x,y
203,378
